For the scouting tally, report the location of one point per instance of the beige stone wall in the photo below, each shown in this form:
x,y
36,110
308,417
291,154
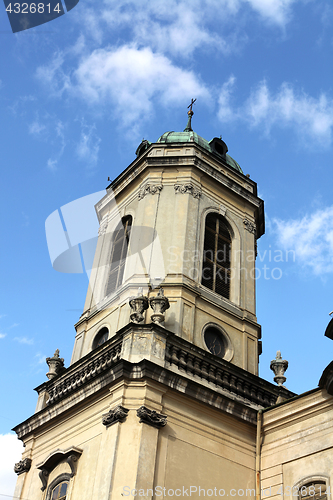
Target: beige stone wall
x,y
199,447
297,445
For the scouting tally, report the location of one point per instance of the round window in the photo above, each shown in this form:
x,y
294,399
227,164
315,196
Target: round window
x,y
101,337
215,341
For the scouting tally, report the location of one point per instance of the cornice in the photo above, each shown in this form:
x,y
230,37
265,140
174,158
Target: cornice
x,y
187,369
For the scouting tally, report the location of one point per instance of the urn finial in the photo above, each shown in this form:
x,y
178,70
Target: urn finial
x,y
279,366
56,365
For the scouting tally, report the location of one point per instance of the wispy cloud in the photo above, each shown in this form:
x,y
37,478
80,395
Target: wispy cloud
x,y
40,358
311,118
311,237
88,147
3,335
24,340
60,135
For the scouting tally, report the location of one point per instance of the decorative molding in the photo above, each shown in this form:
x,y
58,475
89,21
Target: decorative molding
x,y
149,189
222,210
151,417
43,476
103,225
72,462
22,466
118,414
188,188
70,456
250,226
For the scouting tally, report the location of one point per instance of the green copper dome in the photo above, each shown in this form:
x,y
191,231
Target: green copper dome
x,y
216,146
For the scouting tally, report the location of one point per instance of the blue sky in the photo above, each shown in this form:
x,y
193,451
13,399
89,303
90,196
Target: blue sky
x,y
78,94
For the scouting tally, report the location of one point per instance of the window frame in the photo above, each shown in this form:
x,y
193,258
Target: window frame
x,y
126,226
312,480
229,349
64,477
219,217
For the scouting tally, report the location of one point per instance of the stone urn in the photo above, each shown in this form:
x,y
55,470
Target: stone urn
x,y
138,305
159,304
279,366
56,365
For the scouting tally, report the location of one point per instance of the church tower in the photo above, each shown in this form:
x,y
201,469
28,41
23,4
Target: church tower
x,y
162,392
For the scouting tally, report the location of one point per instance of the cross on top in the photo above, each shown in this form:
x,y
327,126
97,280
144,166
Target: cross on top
x,y
190,105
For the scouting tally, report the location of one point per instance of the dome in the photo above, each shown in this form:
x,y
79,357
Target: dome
x,y
216,146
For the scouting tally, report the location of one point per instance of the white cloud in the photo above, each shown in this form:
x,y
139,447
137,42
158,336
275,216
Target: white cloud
x,y
88,147
53,162
311,237
129,78
11,451
3,335
40,358
24,340
310,117
275,11
179,27
36,128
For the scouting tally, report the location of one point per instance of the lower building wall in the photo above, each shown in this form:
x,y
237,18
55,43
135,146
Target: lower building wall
x,y
200,447
297,446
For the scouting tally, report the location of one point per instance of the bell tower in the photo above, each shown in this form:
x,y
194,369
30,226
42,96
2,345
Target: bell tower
x,y
184,216
162,393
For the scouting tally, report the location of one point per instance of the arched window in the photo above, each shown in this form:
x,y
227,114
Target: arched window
x,y
101,337
60,491
313,490
215,341
217,255
119,249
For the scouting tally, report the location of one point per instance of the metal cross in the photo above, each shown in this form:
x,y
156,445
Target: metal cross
x,y
192,102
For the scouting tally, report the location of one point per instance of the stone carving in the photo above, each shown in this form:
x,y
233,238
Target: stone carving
x,y
149,189
118,414
279,366
187,188
103,225
71,460
56,365
43,475
249,226
138,305
159,304
22,466
151,417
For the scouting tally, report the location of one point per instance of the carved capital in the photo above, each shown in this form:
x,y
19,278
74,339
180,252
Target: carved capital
x,y
118,414
187,188
22,466
151,417
149,189
250,226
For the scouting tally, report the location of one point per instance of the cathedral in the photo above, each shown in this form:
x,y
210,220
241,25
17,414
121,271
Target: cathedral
x,y
162,397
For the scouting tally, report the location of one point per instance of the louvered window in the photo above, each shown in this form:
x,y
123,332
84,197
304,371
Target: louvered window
x,y
315,490
217,255
118,255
